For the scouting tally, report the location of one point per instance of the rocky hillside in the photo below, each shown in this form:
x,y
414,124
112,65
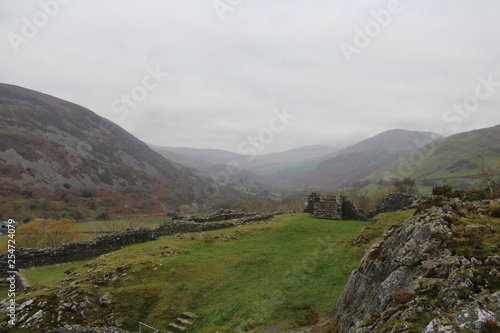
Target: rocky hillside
x,y
437,272
49,145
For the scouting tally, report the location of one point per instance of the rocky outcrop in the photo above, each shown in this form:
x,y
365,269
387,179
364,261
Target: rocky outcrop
x,y
434,273
83,329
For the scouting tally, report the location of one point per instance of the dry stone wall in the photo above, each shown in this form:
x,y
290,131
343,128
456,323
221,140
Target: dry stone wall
x,y
32,257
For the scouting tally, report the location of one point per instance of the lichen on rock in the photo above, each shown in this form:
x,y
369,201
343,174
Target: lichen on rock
x,y
435,273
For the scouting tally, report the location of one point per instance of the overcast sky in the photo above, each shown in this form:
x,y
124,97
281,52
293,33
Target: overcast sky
x,y
290,73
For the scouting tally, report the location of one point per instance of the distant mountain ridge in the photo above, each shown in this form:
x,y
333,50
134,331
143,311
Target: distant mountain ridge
x,y
201,158
320,166
352,164
395,140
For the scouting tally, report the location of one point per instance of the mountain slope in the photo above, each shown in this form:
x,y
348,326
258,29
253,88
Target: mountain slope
x,y
447,160
394,140
49,145
358,161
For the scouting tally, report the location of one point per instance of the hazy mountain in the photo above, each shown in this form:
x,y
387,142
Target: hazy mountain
x,y
203,156
176,155
260,164
358,161
394,140
49,145
268,168
291,160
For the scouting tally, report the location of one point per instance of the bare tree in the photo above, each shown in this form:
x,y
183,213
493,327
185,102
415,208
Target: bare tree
x,y
488,171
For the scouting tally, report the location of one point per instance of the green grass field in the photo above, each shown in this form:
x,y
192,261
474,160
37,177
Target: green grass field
x,y
48,276
246,278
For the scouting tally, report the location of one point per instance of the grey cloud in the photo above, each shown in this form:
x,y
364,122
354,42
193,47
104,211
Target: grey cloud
x,y
226,77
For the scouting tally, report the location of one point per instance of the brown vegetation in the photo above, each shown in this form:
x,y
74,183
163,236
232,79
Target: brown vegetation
x,y
46,234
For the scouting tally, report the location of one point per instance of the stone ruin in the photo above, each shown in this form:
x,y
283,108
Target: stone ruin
x,y
332,207
339,207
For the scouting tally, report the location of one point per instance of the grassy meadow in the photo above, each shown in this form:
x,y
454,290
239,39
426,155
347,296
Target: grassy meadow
x,y
284,273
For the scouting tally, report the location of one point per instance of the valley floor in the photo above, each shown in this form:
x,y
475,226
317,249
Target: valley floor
x,y
284,273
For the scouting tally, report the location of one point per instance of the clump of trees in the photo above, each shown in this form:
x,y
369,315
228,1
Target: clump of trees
x,y
406,185
447,191
46,233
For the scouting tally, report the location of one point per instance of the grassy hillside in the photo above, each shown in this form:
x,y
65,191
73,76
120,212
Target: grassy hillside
x,y
283,273
446,161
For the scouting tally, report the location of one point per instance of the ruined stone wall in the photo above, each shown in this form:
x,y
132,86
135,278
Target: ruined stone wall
x,y
340,207
312,198
350,212
332,207
28,257
329,207
220,215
